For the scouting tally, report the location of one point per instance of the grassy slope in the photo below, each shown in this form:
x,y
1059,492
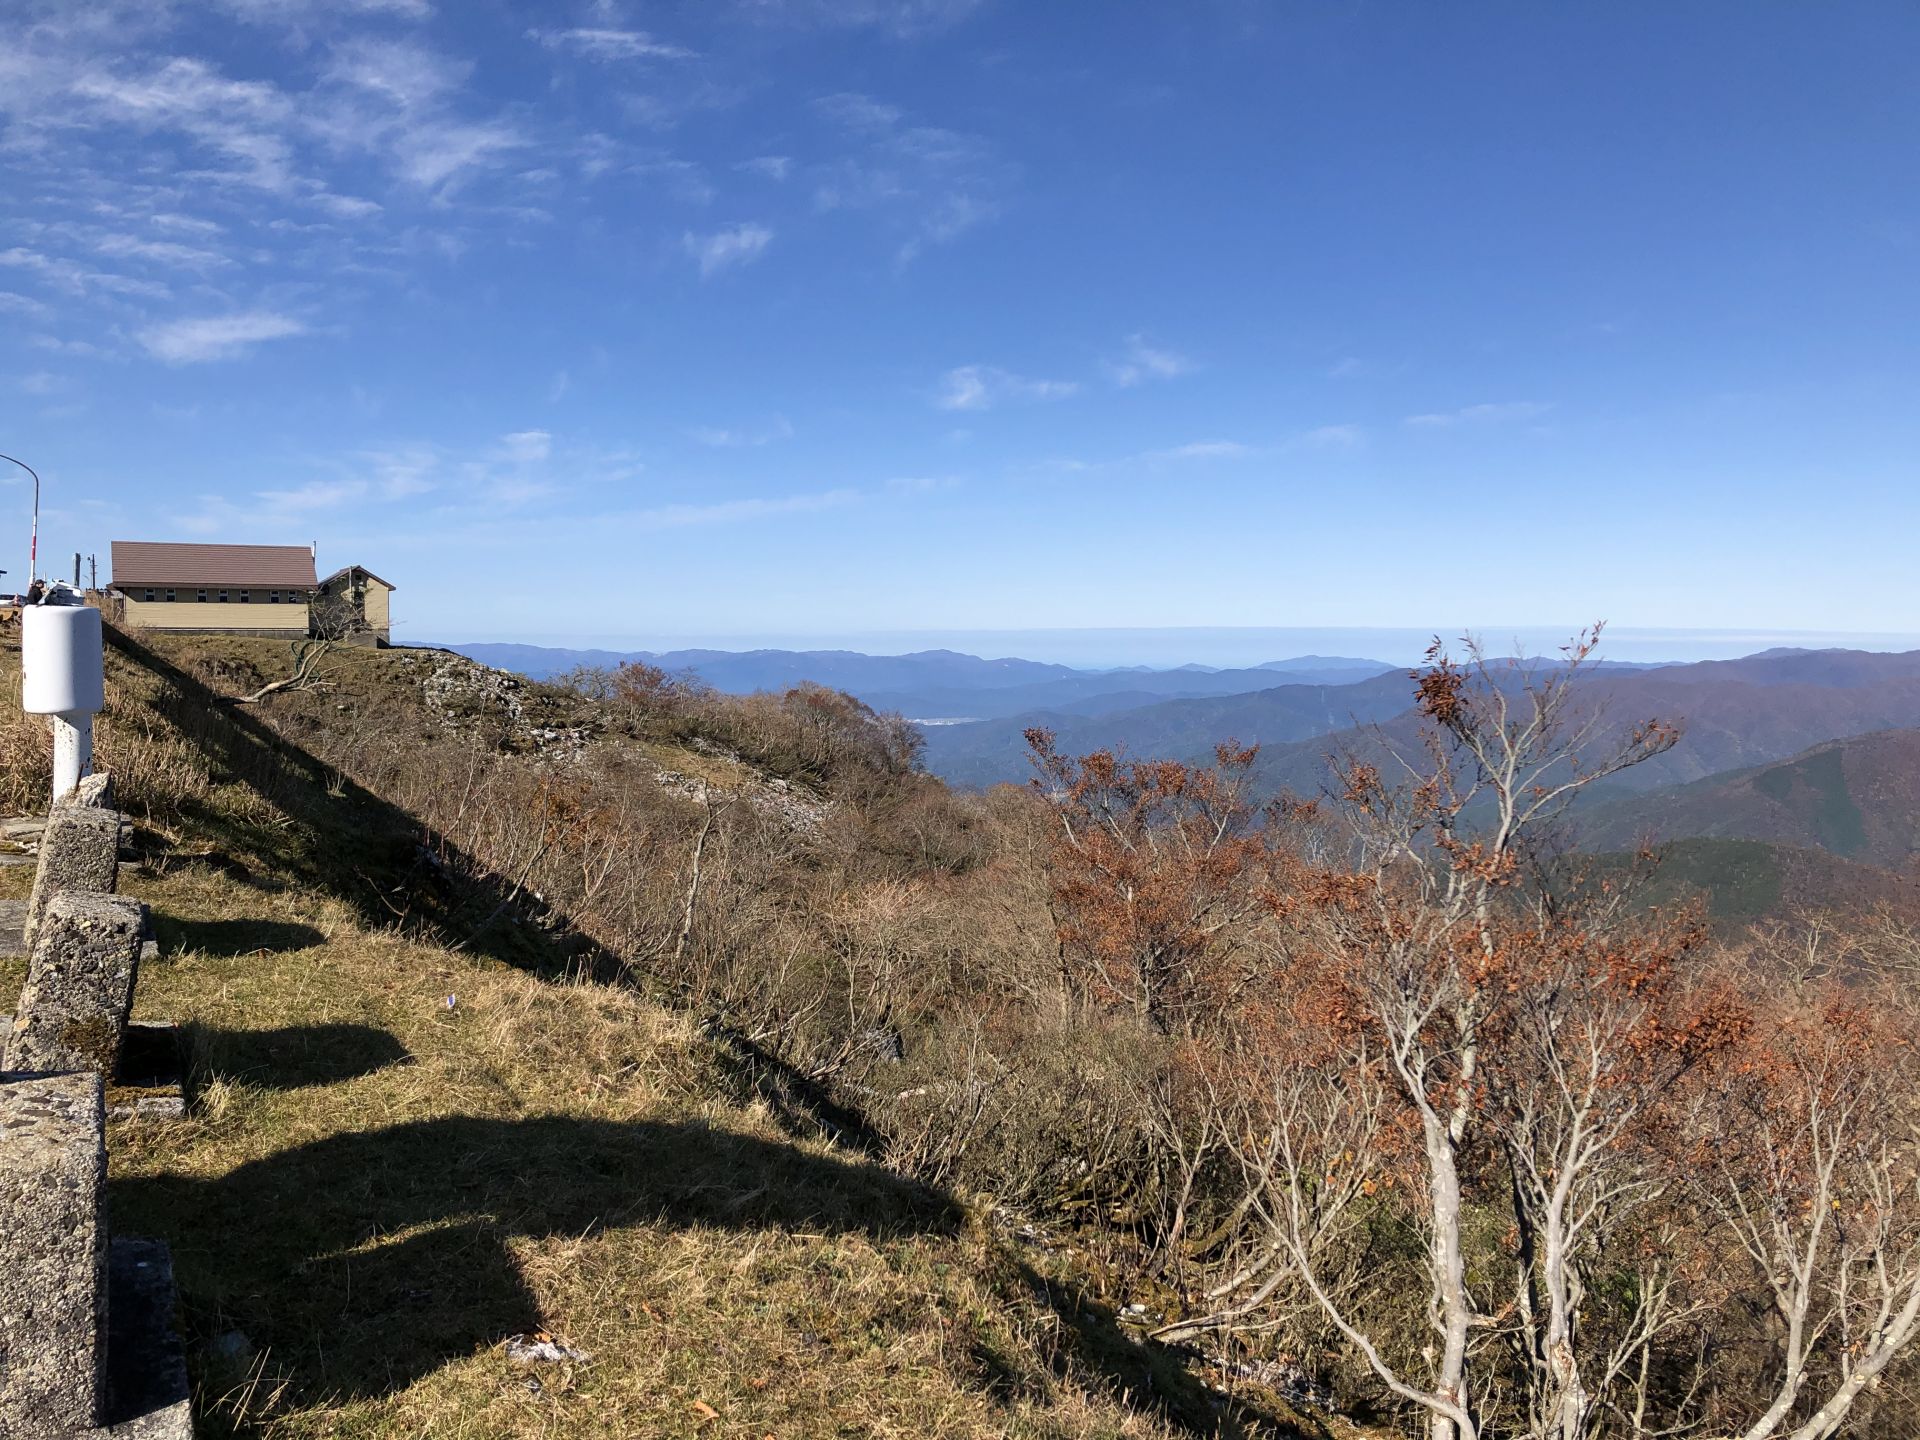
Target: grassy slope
x,y
377,1185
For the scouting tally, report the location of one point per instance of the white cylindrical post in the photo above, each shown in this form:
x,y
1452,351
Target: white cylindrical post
x,y
72,751
62,674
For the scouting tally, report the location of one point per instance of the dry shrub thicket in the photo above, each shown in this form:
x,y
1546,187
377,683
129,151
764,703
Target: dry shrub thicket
x,y
1381,1087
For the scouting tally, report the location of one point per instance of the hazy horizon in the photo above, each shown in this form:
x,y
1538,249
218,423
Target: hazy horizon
x,y
1224,646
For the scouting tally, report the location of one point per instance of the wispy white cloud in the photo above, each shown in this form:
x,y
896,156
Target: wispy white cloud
x,y
217,337
191,224
280,12
1334,437
527,446
1479,414
725,512
314,495
609,45
1141,361
441,155
1202,450
509,473
779,428
981,387
402,473
58,345
904,18
735,245
77,279
1348,367
853,111
242,122
404,71
768,167
160,252
395,98
1193,451
922,484
933,184
344,207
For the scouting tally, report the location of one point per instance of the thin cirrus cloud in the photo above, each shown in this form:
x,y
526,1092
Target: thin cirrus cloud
x,y
282,11
929,183
725,512
1334,437
527,446
1478,414
609,45
981,387
1142,361
724,249
721,438
217,337
1202,450
905,18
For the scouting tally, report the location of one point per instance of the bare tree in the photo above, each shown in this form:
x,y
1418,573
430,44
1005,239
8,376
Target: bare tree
x,y
1458,1010
1814,1172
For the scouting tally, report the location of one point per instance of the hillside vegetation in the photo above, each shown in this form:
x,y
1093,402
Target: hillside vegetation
x,y
1857,798
810,1096
423,1123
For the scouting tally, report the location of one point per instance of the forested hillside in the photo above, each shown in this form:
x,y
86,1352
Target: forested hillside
x,y
1367,1110
1857,798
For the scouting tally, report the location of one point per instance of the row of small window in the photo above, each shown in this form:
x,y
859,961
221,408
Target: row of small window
x,y
268,597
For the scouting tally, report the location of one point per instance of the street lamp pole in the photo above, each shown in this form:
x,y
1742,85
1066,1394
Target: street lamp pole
x,y
33,550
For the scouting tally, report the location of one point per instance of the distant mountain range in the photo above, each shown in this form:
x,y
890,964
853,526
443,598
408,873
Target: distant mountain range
x,y
1736,713
1797,779
943,686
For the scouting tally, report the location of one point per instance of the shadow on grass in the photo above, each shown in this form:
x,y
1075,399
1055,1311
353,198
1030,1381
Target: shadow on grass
x,y
297,1056
344,840
294,1249
1149,1376
367,1260
234,937
1089,1340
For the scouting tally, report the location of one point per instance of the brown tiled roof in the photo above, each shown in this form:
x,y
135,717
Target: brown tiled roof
x,y
146,562
349,569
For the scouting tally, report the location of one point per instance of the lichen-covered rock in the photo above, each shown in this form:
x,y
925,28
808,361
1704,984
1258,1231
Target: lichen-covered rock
x,y
79,851
53,1255
79,992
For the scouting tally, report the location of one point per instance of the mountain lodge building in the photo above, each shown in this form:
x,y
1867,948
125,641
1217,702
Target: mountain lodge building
x,y
269,590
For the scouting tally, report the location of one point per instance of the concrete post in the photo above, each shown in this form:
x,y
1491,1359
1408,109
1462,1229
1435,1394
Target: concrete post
x,y
53,1256
79,850
79,992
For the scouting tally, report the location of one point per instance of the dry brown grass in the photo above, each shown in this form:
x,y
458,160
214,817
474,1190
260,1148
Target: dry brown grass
x,y
375,1213
376,1186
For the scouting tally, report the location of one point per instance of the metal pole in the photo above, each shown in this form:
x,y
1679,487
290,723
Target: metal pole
x,y
33,551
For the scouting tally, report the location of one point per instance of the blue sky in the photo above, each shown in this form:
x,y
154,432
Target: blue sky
x,y
832,319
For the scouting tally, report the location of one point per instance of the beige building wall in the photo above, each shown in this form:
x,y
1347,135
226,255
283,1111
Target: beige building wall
x,y
378,611
191,615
